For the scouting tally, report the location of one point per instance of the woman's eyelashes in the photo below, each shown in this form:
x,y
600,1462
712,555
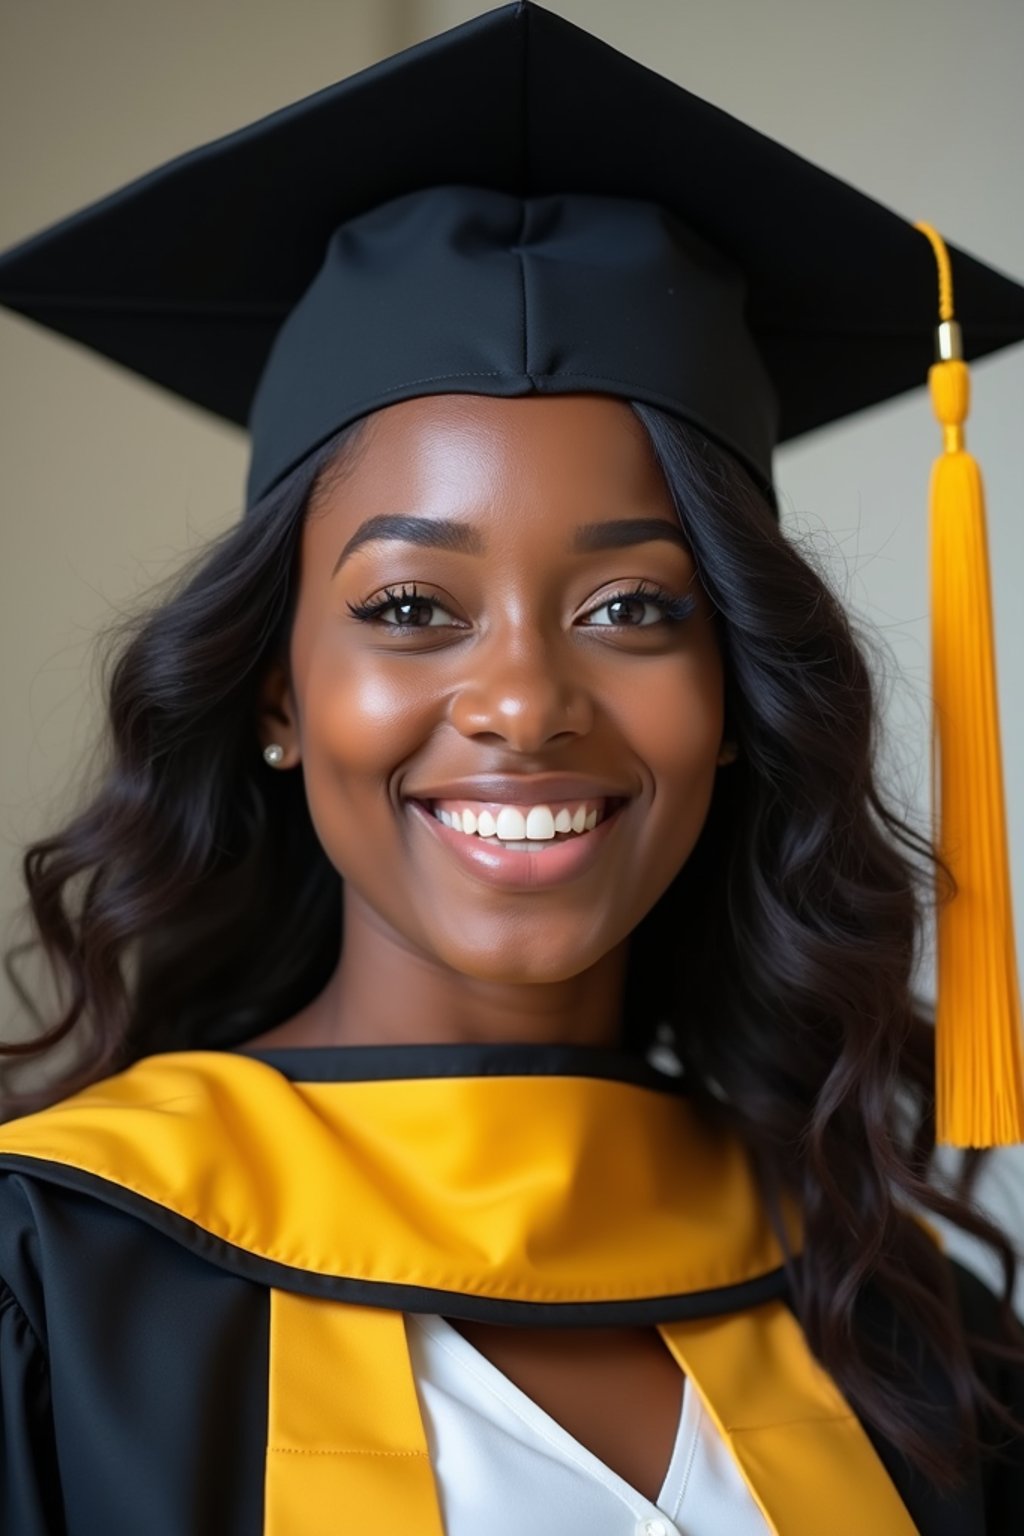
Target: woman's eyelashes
x,y
628,608
406,600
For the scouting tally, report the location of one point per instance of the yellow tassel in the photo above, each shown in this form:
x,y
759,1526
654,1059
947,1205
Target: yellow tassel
x,y
979,1056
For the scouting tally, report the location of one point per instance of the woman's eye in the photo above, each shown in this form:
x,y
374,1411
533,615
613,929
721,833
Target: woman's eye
x,y
627,609
627,613
409,608
415,613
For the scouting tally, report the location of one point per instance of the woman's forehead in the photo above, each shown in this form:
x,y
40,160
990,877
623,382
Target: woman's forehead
x,y
483,455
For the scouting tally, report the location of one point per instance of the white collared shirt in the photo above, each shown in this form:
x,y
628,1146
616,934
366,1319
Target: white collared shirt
x,y
504,1467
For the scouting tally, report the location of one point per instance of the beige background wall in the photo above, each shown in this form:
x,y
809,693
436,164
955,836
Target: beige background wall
x,y
107,482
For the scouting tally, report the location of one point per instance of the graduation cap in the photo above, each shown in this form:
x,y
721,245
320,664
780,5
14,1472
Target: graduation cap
x,y
514,207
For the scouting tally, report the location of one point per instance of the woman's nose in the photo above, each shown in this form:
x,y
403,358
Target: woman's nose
x,y
522,694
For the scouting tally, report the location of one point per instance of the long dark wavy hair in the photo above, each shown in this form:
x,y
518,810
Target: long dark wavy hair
x,y
190,904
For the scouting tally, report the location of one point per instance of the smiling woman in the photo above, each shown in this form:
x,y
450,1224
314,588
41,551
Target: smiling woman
x,y
519,652
499,1098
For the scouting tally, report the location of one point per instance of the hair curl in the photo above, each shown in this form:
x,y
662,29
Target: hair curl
x,y
190,904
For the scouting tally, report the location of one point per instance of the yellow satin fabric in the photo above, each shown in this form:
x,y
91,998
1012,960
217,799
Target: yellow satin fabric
x,y
538,1188
347,1450
802,1451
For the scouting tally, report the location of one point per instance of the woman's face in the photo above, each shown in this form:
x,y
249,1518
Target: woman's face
x,y
524,520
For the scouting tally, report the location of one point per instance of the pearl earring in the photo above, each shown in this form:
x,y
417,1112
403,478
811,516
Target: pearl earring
x,y
274,754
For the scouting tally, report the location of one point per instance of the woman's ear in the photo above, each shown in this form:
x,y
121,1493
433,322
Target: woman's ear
x,y
728,753
277,720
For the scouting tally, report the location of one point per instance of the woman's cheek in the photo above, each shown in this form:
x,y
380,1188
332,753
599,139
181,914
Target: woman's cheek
x,y
675,717
365,711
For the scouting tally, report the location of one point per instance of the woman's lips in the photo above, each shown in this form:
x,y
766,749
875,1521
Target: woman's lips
x,y
506,868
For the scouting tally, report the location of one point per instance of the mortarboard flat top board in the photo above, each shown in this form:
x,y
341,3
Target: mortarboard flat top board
x,y
511,206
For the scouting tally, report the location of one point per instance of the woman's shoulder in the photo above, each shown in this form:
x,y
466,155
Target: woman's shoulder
x,y
101,1171
144,1127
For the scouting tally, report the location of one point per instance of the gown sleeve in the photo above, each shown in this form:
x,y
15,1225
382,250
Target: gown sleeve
x,y
31,1498
30,1501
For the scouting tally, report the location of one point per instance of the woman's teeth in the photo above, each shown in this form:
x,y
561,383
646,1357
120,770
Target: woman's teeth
x,y
525,833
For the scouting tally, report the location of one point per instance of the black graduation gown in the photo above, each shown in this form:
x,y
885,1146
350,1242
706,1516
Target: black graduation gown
x,y
134,1370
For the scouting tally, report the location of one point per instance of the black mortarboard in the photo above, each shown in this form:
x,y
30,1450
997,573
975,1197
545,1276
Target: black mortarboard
x,y
451,219
515,207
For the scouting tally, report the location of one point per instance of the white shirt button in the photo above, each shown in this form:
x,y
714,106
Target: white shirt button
x,y
651,1528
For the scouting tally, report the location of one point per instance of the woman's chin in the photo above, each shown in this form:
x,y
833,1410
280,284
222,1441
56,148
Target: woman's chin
x,y
523,953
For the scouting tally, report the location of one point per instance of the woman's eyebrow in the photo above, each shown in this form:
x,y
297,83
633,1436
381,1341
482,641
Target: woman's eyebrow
x,y
434,532
621,532
464,538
